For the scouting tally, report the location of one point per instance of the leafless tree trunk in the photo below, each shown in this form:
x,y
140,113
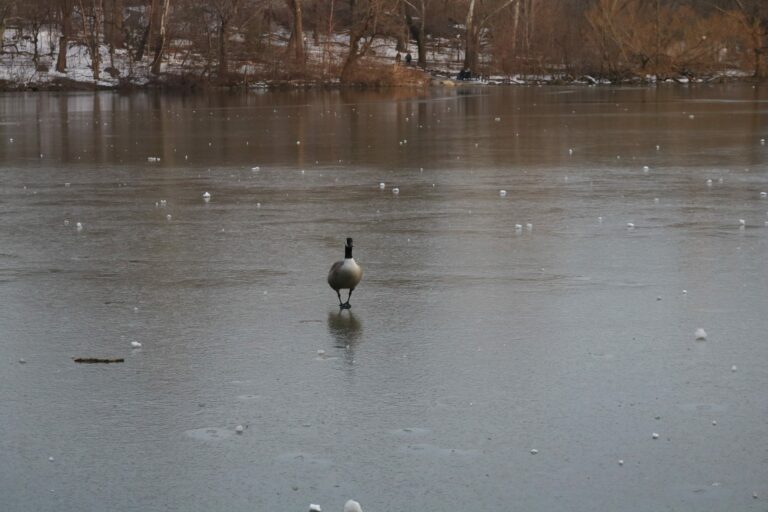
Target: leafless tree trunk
x,y
515,26
223,62
92,19
158,28
470,48
113,24
418,32
296,42
65,7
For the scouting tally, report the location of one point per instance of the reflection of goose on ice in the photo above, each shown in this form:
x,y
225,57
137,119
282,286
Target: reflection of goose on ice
x,y
345,275
345,328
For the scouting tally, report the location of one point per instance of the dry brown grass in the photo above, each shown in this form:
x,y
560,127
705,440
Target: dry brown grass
x,y
371,73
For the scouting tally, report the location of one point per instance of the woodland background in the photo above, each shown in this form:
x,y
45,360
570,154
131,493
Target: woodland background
x,y
231,42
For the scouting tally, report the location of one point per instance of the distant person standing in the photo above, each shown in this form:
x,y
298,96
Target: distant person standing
x,y
397,58
408,59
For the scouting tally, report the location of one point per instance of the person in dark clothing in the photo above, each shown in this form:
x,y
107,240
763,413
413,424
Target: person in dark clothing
x,y
408,59
464,74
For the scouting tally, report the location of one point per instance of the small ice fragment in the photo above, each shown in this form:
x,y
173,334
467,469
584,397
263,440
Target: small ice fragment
x,y
315,508
529,226
630,225
646,168
206,196
754,495
51,459
762,142
691,116
656,200
600,219
685,292
298,142
658,147
67,184
502,193
734,368
321,353
700,334
621,462
709,183
497,119
163,203
714,422
79,226
763,195
135,344
168,217
534,451
655,435
352,506
22,361
239,429
570,151
658,298
395,190
66,222
256,168
742,222
518,227
382,185
10,140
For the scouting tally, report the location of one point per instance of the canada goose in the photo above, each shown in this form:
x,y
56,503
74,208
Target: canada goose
x,y
352,506
345,274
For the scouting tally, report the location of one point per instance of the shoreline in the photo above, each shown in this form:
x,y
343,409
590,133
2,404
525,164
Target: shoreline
x,y
174,83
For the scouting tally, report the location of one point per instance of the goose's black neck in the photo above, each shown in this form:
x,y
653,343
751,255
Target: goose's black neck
x,y
348,249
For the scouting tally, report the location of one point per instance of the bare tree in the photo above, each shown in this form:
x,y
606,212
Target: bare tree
x,y
65,10
752,15
35,14
416,20
475,23
157,31
92,17
113,24
368,19
296,42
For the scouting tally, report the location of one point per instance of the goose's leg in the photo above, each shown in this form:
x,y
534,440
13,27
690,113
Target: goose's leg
x,y
338,294
347,305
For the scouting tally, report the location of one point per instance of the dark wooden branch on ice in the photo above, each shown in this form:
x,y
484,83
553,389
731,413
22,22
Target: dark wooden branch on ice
x,y
97,360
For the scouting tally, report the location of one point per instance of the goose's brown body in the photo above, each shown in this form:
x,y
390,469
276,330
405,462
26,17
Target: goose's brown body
x,y
345,274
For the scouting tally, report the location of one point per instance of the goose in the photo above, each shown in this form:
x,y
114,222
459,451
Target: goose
x,y
345,274
352,506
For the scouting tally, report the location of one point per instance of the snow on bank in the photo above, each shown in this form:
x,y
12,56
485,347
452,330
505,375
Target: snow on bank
x,y
444,61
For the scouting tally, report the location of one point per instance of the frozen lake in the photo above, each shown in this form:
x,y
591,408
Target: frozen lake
x,y
470,345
